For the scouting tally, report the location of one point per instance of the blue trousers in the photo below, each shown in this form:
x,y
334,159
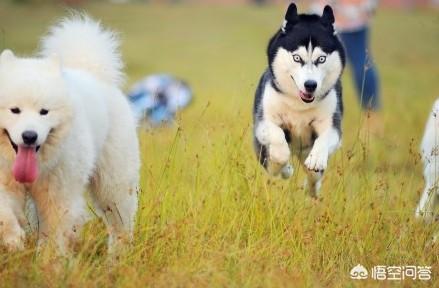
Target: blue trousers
x,y
365,74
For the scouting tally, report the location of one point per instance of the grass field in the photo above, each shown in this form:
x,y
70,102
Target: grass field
x,y
209,215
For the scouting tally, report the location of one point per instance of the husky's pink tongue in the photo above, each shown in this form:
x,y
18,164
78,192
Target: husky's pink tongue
x,y
25,167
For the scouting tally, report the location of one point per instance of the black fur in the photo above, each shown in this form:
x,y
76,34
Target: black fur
x,y
257,107
261,150
338,114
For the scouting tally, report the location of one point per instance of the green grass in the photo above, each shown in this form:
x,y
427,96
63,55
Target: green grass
x,y
209,215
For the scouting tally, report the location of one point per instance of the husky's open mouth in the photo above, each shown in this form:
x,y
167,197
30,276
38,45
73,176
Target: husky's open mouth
x,y
25,167
306,97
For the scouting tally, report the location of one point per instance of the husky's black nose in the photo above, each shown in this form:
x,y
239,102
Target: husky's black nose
x,y
310,86
29,137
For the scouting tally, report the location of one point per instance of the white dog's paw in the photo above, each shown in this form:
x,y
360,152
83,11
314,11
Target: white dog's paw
x,y
426,216
14,240
317,159
279,154
418,214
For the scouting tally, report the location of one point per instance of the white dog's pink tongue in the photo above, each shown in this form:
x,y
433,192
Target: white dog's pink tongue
x,y
25,167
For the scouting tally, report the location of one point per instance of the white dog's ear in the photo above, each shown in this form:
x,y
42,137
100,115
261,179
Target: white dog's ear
x,y
55,62
6,56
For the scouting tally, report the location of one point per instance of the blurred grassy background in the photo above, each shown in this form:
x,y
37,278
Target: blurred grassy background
x,y
209,215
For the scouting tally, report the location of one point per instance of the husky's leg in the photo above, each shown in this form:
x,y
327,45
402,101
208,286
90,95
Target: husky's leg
x,y
314,183
327,141
272,149
313,180
324,145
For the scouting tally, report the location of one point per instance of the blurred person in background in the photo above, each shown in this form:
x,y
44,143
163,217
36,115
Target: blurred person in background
x,y
352,21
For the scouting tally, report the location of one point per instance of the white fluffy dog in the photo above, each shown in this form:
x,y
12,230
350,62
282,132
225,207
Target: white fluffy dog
x,y
430,156
66,128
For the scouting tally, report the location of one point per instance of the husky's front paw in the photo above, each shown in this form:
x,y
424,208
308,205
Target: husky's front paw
x,y
317,159
278,160
287,171
279,154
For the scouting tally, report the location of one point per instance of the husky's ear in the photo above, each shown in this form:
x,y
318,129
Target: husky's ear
x,y
6,56
54,63
328,18
291,18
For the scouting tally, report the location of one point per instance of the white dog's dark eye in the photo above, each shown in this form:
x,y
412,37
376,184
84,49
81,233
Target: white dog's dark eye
x,y
297,58
44,112
16,110
322,59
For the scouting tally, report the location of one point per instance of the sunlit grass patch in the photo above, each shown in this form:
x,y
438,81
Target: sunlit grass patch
x,y
209,215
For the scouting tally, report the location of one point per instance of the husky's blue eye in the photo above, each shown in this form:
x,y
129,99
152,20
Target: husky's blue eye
x,y
15,110
297,58
44,112
322,59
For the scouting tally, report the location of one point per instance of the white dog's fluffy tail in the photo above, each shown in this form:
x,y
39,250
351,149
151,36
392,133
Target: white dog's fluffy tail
x,y
82,43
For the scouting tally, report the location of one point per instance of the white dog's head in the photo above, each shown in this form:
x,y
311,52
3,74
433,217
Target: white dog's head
x,y
34,112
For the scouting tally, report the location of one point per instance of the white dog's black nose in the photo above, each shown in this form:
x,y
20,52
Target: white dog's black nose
x,y
29,137
310,86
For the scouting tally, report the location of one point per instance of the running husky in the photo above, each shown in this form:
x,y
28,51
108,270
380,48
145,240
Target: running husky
x,y
298,106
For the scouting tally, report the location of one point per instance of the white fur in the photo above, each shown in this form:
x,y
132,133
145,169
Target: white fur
x,y
96,52
88,139
430,156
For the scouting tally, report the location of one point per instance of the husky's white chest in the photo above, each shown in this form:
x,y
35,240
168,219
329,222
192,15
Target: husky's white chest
x,y
296,118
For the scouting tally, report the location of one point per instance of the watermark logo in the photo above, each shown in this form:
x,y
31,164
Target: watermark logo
x,y
392,273
359,272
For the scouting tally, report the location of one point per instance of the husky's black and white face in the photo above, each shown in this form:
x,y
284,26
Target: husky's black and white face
x,y
305,56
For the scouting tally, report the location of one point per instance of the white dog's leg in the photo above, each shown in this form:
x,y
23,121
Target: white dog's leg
x,y
272,137
62,212
115,195
12,217
429,197
116,181
427,204
430,157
